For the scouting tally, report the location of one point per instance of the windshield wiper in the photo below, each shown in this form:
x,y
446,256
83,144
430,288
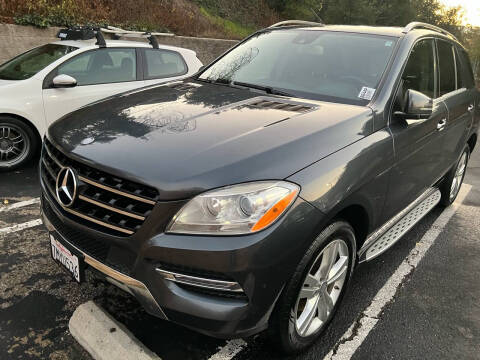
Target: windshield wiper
x,y
267,89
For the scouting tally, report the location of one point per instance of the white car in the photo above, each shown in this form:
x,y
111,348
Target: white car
x,y
45,83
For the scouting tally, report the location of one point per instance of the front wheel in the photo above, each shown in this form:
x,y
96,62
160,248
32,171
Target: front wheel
x,y
310,299
454,179
17,143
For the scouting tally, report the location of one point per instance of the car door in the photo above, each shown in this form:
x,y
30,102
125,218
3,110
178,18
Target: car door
x,y
418,143
458,92
161,65
99,73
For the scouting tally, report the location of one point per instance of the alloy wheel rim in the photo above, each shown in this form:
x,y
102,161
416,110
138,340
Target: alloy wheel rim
x,y
458,177
321,288
14,145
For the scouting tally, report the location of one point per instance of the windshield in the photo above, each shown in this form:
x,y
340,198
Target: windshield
x,y
322,65
28,64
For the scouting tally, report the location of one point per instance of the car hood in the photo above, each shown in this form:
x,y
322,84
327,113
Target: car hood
x,y
184,138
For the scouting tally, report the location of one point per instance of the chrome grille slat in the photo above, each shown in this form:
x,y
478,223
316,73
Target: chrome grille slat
x,y
112,209
108,207
108,188
89,218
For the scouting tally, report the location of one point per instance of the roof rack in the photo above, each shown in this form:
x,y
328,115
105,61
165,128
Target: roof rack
x,y
421,25
295,23
118,32
82,33
89,32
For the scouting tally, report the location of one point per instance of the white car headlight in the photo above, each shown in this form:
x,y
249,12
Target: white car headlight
x,y
233,210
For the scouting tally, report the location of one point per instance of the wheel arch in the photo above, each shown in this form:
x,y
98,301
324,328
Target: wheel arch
x,y
357,216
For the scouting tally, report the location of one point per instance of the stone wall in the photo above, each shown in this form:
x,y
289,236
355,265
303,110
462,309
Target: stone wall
x,y
15,39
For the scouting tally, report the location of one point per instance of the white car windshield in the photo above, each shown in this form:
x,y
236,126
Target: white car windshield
x,y
315,64
28,64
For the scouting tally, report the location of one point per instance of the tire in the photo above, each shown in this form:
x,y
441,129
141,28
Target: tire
x,y
18,143
453,181
287,330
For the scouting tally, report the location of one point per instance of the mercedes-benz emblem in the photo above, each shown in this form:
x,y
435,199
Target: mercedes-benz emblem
x,y
66,187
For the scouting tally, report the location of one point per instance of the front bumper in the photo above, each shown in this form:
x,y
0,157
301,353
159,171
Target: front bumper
x,y
162,269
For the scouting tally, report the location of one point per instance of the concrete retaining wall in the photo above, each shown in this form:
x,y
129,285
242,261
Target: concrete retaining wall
x,y
15,39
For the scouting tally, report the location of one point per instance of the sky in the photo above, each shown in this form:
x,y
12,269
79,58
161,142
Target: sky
x,y
472,10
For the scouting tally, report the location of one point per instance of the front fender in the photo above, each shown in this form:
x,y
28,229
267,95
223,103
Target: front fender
x,y
355,175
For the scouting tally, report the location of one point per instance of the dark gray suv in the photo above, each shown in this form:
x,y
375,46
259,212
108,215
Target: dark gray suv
x,y
243,198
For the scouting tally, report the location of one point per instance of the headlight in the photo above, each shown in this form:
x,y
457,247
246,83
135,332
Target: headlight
x,y
233,210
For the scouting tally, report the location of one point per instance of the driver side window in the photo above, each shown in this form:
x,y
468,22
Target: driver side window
x,y
419,73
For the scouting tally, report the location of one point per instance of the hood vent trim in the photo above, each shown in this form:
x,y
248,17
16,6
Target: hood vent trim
x,y
279,105
183,86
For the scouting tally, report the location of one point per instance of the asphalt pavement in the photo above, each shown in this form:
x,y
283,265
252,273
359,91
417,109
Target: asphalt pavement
x,y
434,312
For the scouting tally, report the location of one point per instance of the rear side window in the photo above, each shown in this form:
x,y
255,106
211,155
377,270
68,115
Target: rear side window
x,y
446,62
161,63
465,72
419,73
102,66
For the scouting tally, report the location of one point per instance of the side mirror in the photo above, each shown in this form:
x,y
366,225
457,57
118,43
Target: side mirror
x,y
64,81
418,106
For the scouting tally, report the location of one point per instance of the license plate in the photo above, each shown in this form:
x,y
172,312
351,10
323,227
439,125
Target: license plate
x,y
70,261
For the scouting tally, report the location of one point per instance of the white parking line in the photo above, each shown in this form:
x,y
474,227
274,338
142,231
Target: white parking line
x,y
19,204
19,227
229,350
358,331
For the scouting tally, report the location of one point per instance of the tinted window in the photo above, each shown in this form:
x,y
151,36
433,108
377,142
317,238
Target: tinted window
x,y
163,63
419,73
102,66
28,64
324,65
447,67
466,71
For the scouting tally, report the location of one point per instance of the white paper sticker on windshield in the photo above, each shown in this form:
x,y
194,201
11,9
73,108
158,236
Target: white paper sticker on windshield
x,y
366,93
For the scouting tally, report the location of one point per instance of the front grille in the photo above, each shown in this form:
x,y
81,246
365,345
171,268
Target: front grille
x,y
107,203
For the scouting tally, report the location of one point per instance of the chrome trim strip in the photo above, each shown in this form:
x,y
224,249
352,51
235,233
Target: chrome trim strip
x,y
385,227
200,282
108,207
108,188
99,222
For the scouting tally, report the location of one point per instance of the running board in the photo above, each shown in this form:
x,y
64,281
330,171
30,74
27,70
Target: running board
x,y
393,230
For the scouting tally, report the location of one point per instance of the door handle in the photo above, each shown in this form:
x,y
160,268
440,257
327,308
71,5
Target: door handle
x,y
470,107
441,124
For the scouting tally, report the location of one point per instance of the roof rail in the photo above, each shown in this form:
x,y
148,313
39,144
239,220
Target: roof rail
x,y
295,23
422,25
